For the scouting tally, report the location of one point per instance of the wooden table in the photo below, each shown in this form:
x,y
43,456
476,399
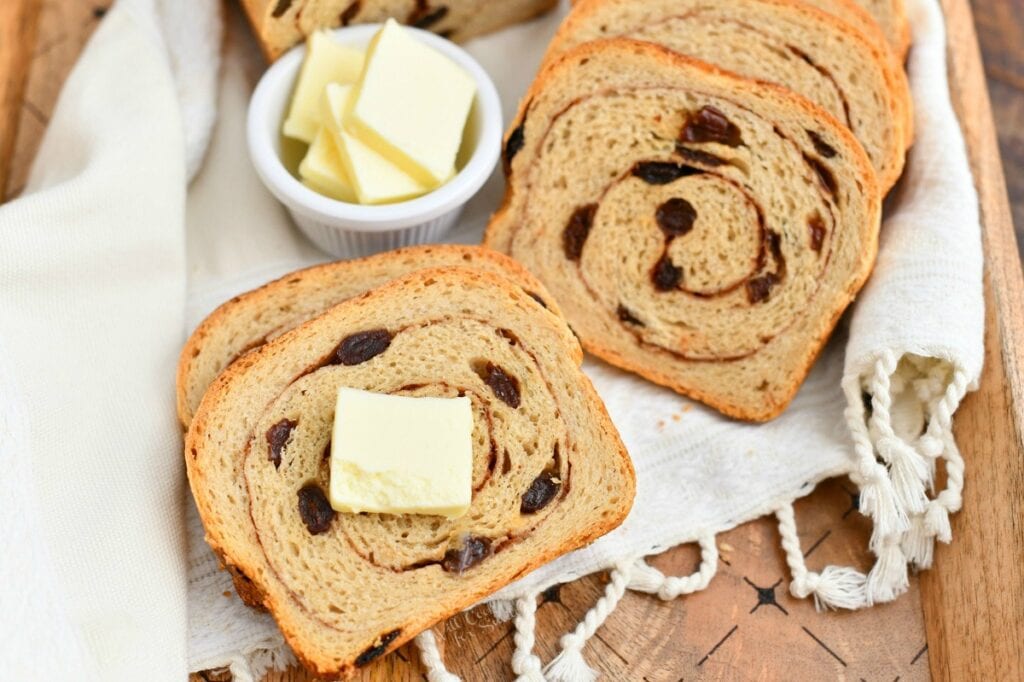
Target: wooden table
x,y
962,620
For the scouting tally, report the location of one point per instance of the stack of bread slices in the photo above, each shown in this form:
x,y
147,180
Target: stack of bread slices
x,y
699,184
257,384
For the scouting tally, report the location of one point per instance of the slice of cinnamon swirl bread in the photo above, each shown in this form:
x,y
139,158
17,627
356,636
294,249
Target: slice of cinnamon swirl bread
x,y
888,15
891,17
248,321
550,473
279,24
702,230
788,42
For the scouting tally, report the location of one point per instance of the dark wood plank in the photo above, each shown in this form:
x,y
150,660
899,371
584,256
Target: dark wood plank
x,y
1000,26
974,597
1008,110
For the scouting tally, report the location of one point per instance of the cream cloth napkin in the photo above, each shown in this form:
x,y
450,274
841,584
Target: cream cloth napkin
x,y
698,474
92,292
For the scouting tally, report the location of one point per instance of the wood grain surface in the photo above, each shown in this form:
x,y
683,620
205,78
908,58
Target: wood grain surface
x,y
745,626
1001,31
974,602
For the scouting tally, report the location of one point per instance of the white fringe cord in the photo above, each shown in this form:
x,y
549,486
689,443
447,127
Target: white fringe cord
x,y
569,665
525,664
888,578
431,657
895,494
877,497
646,578
907,468
835,587
939,442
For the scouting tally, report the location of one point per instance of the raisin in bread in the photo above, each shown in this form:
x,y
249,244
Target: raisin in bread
x,y
702,230
248,321
781,41
279,24
550,472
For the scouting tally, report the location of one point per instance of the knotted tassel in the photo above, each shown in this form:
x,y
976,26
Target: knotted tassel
x,y
888,578
525,664
877,497
878,501
908,469
936,519
431,657
919,543
835,587
569,665
645,578
909,472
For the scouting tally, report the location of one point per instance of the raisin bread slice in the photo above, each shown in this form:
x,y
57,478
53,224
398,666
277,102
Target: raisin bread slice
x,y
248,321
884,23
889,16
702,230
782,41
279,24
550,472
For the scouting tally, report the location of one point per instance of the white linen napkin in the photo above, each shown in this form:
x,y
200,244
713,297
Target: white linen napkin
x,y
93,255
92,295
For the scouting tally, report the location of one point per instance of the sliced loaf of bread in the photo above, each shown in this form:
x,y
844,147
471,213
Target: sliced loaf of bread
x,y
550,473
279,24
781,41
888,15
248,321
702,230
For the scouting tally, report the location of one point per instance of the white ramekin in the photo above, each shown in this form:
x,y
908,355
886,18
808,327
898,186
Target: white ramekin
x,y
344,229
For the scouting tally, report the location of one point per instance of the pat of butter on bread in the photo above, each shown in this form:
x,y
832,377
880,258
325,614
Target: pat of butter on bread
x,y
375,180
411,104
401,455
326,62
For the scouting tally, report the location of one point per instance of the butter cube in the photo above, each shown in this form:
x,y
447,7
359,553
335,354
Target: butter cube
x,y
401,455
374,179
326,62
323,172
411,104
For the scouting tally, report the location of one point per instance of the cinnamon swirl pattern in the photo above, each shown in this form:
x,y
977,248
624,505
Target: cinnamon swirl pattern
x,y
247,322
833,63
699,229
549,471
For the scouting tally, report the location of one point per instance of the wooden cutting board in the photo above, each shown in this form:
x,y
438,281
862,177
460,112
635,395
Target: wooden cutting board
x,y
962,620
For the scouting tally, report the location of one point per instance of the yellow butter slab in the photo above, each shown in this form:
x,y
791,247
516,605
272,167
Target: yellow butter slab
x,y
411,104
374,178
326,62
401,455
323,171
